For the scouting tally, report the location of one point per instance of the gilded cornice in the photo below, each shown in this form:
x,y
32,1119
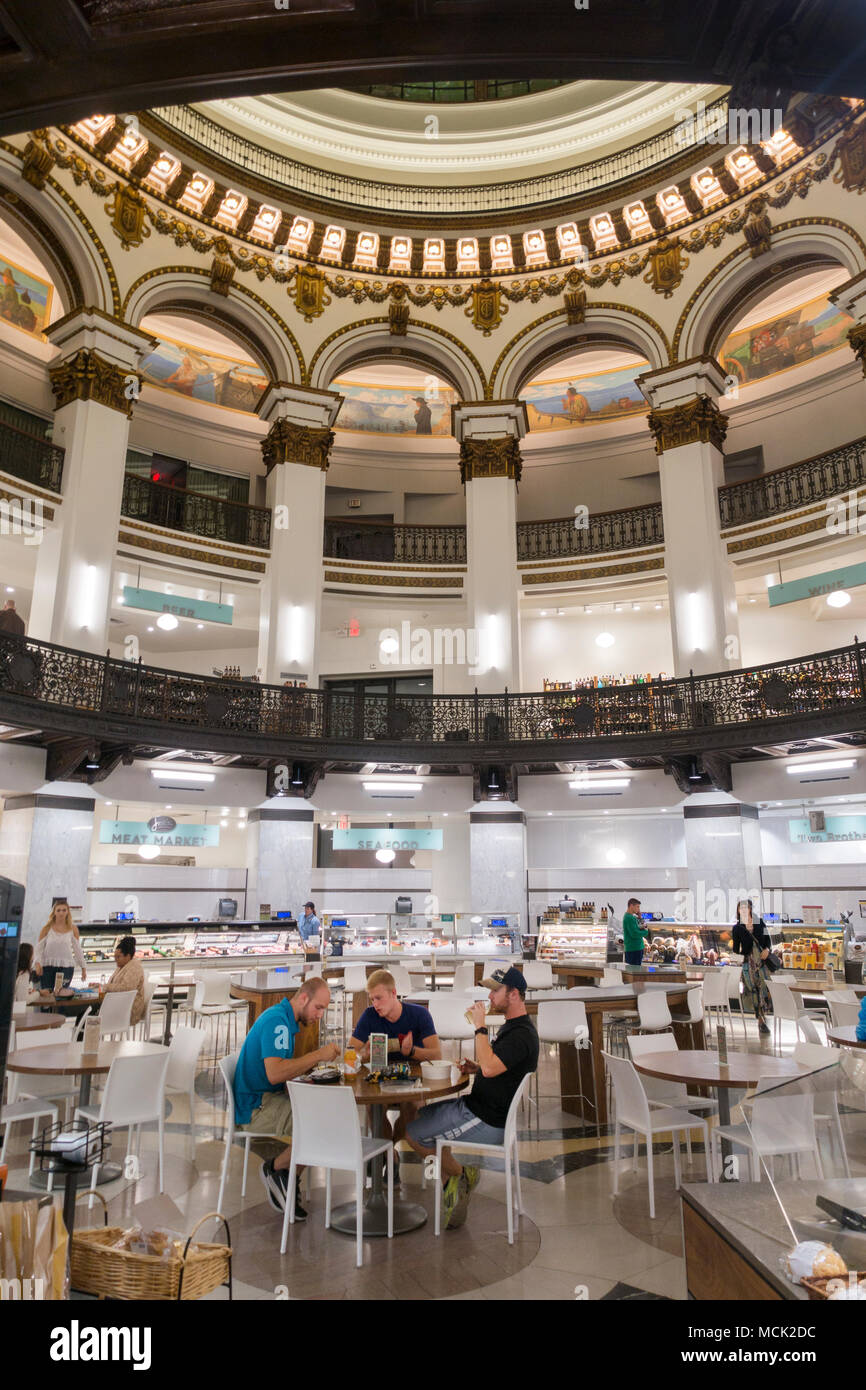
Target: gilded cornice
x,y
857,339
131,525
388,567
786,533
393,582
698,421
88,376
602,572
600,304
382,322
539,564
184,553
490,458
47,512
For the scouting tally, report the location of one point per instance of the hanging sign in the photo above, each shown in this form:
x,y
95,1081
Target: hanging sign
x,y
135,832
837,830
153,602
368,837
817,585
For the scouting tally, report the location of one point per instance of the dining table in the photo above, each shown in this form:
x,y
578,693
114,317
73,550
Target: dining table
x,y
32,1023
70,1059
741,1072
378,1099
845,1036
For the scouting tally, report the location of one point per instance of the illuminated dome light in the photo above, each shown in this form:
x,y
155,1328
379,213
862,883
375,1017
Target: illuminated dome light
x,y
840,599
385,856
148,851
301,232
389,644
605,639
167,621
615,856
467,255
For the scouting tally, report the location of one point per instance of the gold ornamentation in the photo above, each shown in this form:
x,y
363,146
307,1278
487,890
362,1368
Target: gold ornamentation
x,y
222,273
539,565
857,339
666,266
387,565
347,328
398,318
597,306
90,377
602,572
397,582
47,513
575,306
182,552
698,421
788,533
128,213
311,296
287,442
200,541
486,309
757,233
851,149
38,160
490,458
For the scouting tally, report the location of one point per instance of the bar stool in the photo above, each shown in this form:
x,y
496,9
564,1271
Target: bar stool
x,y
560,1023
213,1001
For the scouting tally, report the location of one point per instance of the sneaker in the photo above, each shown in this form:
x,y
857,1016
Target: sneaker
x,y
762,1028
466,1183
450,1196
300,1212
275,1184
396,1173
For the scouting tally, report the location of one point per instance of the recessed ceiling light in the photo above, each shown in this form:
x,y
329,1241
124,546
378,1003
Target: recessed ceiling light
x,y
840,599
385,856
587,609
587,783
148,851
182,775
445,814
544,612
150,629
223,824
168,808
615,856
9,589
635,607
167,621
658,605
605,639
199,625
391,786
834,766
550,813
752,600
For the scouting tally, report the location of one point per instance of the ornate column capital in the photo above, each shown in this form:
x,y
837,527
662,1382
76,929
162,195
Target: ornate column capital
x,y
98,359
301,418
851,299
287,442
490,458
857,339
683,400
489,434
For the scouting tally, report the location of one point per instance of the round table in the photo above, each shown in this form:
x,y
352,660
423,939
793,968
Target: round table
x,y
845,1036
741,1071
408,1216
31,1023
70,1059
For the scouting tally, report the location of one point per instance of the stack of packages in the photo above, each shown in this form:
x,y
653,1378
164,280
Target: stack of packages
x,y
33,1249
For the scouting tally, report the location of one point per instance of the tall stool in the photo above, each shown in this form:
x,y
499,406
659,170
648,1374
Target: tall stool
x,y
560,1023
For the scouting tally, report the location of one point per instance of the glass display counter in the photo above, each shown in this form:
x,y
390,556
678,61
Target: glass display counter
x,y
191,943
570,935
413,936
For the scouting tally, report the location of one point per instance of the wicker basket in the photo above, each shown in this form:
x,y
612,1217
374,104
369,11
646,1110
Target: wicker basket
x,y
96,1269
817,1288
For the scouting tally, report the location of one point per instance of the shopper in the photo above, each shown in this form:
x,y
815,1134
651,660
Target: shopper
x,y
634,933
58,949
22,978
751,940
308,923
129,975
499,1068
266,1062
11,620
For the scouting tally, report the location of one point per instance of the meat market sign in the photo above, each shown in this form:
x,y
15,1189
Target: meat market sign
x,y
159,830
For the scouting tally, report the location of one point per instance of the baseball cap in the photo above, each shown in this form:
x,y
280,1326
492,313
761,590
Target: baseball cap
x,y
511,978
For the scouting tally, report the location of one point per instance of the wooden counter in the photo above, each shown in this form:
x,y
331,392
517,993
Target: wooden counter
x,y
258,1000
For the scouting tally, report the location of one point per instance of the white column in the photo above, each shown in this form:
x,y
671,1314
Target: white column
x,y
95,382
279,858
851,298
497,860
296,453
46,839
723,854
489,435
689,431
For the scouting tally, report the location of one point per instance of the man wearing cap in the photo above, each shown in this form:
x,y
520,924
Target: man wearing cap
x,y
309,924
633,933
499,1068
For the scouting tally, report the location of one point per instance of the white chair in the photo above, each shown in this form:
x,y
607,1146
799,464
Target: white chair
x,y
659,1091
786,1007
841,996
213,1001
401,979
633,1112
152,1012
652,1007
779,1125
326,1133
228,1066
17,1108
134,1095
115,1012
843,1015
183,1054
538,974
611,977
559,1023
809,1031
821,1059
448,1012
464,976
717,1002
734,978
34,1087
508,1149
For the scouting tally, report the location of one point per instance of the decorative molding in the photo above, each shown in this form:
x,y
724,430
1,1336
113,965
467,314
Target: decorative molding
x,y
537,565
38,160
88,376
758,233
490,458
398,318
184,553
381,322
128,212
602,572
666,265
40,492
729,532
857,339
396,565
698,421
851,152
287,442
575,306
486,309
395,582
787,533
151,530
222,273
311,295
47,512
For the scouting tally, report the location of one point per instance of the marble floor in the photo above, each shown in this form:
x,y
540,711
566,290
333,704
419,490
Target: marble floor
x,y
576,1241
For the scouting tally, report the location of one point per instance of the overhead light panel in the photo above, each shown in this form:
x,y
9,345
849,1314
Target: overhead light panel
x,y
182,775
594,783
837,766
393,786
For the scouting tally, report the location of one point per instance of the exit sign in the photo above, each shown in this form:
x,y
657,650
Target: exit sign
x,y
354,629
343,823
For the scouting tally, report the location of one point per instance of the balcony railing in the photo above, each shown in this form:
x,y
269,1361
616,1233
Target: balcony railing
x,y
30,458
195,512
812,480
628,529
62,688
383,542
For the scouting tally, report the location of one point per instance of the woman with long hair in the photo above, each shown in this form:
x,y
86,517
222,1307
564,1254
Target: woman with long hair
x,y
58,949
22,977
751,940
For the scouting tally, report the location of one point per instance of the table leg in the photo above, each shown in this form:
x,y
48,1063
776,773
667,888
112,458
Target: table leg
x,y
169,1005
725,1119
408,1216
595,1020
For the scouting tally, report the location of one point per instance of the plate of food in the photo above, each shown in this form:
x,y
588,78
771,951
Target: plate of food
x,y
325,1075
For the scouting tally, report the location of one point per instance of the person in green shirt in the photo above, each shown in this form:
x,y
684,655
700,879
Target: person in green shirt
x,y
634,933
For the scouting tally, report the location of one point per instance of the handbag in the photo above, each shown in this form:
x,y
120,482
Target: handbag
x,y
773,963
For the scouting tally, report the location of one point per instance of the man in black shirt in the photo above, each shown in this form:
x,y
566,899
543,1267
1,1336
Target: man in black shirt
x,y
499,1068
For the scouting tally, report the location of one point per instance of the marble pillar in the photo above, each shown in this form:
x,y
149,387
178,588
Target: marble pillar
x,y
45,841
723,859
497,863
280,843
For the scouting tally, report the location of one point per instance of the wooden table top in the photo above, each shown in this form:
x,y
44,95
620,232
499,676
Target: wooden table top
x,y
54,1001
267,992
30,1022
800,987
845,1036
742,1069
367,1093
70,1059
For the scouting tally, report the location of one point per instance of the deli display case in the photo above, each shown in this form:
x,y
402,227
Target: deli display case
x,y
160,943
354,934
494,934
569,934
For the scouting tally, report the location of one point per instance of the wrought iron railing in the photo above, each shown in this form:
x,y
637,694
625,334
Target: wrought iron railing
x,y
195,512
418,198
37,678
383,541
30,458
627,529
816,479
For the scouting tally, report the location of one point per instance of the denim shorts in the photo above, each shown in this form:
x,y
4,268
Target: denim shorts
x,y
451,1119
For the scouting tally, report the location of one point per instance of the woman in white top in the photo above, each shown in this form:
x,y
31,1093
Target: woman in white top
x,y
22,978
58,948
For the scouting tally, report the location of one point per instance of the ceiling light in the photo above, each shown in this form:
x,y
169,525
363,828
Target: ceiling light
x,y
393,786
389,644
752,600
445,814
605,639
794,768
840,599
587,609
605,782
167,621
9,589
199,625
544,612
148,851
150,629
224,811
182,775
385,856
168,808
475,921
658,605
224,824
550,813
615,856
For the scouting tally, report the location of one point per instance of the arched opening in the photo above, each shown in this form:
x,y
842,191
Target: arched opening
x,y
578,389
787,323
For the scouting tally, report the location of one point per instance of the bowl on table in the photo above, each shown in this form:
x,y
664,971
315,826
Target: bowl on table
x,y
436,1071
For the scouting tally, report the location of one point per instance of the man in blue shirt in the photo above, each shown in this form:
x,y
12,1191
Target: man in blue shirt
x,y
411,1033
266,1062
309,924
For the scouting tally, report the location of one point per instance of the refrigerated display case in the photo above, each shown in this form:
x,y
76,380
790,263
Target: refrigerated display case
x,y
570,935
420,936
158,943
494,934
354,934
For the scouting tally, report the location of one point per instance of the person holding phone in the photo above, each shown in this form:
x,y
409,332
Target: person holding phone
x,y
634,933
751,940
